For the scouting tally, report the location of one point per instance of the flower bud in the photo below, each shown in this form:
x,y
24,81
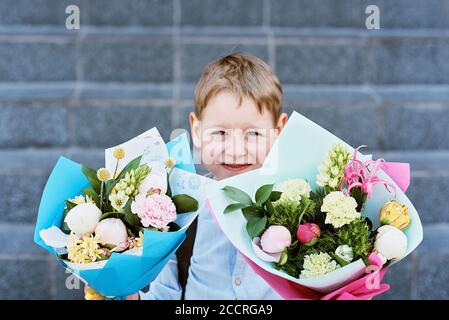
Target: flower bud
x,y
83,218
395,214
345,252
284,258
112,231
308,233
275,239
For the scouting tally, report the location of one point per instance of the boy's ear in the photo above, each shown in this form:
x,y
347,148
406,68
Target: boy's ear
x,y
195,129
283,118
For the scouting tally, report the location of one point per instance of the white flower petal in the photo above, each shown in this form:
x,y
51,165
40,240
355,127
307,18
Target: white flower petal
x,y
268,257
54,237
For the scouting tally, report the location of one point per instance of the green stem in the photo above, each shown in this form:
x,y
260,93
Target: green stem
x,y
302,214
101,196
115,171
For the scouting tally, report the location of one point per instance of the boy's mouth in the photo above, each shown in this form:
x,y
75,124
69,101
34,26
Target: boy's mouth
x,y
235,167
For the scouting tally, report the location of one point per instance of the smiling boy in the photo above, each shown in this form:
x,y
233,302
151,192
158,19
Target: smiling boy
x,y
238,115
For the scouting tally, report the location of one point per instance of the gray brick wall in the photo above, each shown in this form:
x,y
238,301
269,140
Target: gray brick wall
x,y
133,65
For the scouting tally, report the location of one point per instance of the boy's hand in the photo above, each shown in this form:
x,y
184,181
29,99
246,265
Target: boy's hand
x,y
134,296
91,294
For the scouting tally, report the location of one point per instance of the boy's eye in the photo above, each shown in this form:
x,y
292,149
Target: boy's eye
x,y
254,133
219,133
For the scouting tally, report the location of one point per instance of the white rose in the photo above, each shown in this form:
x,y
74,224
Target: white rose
x,y
83,218
112,231
391,243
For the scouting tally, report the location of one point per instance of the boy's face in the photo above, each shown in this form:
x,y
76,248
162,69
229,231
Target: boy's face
x,y
234,138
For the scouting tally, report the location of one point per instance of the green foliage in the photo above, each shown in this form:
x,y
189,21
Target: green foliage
x,y
132,165
234,207
358,235
360,198
237,195
93,194
254,213
184,203
263,193
255,226
111,215
91,175
287,213
68,206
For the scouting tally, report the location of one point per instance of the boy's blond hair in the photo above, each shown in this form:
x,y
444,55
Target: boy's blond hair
x,y
243,75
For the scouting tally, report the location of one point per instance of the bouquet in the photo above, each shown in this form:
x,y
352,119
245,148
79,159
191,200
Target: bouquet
x,y
322,217
117,226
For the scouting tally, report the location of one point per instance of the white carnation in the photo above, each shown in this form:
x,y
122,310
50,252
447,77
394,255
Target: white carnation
x,y
293,190
340,209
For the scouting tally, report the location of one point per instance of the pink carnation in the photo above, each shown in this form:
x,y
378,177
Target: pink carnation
x,y
157,210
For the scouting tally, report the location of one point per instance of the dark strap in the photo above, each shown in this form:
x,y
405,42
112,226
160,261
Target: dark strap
x,y
184,254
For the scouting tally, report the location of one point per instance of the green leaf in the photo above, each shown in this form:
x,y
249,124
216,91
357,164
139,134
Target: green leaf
x,y
70,205
132,219
111,215
255,226
130,233
340,261
133,164
275,196
127,207
64,227
252,212
91,193
108,186
263,193
233,207
168,193
91,175
184,203
366,261
237,195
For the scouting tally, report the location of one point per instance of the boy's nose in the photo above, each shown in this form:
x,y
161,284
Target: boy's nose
x,y
236,147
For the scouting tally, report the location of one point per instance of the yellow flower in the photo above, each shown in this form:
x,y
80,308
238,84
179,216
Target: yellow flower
x,y
91,294
138,242
119,153
83,250
395,214
103,174
81,199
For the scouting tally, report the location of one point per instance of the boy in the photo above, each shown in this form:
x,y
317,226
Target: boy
x,y
236,120
237,117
